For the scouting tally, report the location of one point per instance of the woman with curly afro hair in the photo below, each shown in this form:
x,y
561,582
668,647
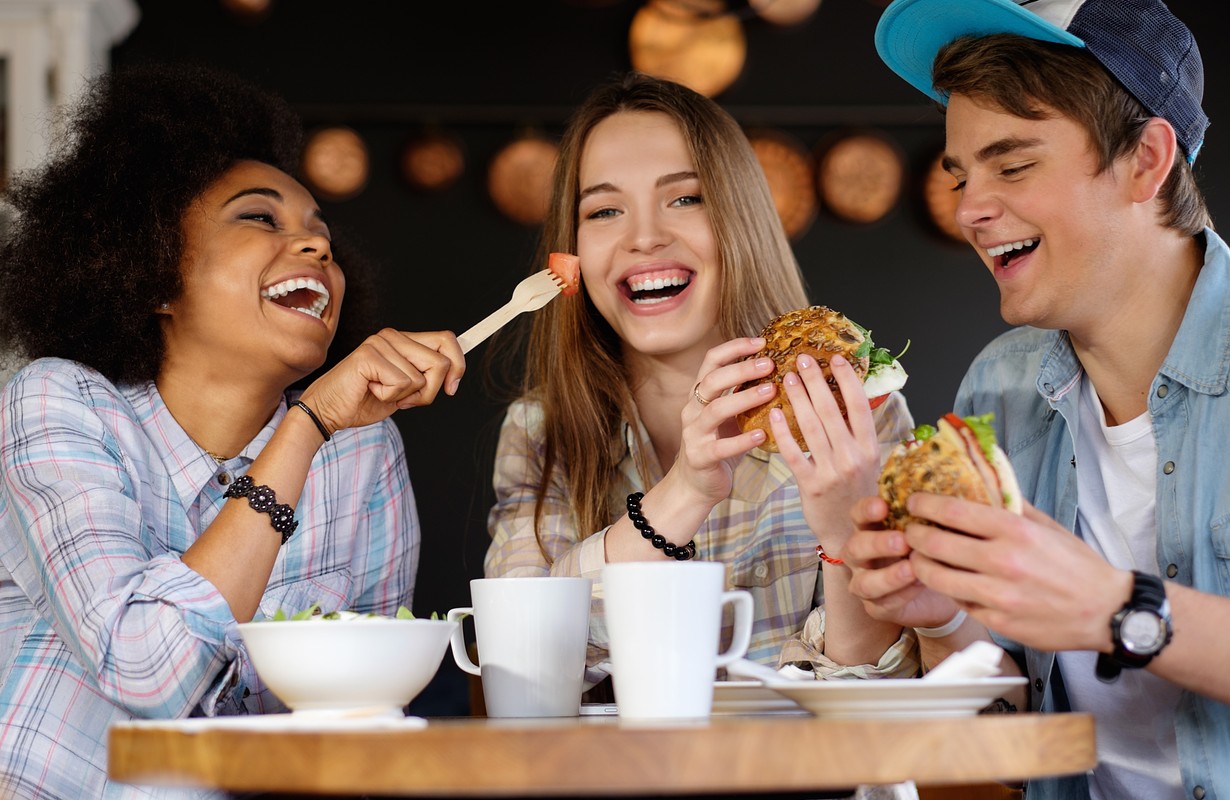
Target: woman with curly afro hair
x,y
169,281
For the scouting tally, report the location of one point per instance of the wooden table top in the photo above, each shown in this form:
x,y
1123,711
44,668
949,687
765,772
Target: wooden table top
x,y
600,756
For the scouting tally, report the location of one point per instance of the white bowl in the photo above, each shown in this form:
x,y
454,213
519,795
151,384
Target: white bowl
x,y
371,665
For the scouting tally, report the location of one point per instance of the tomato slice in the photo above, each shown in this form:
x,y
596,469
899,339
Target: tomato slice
x,y
567,268
955,421
876,402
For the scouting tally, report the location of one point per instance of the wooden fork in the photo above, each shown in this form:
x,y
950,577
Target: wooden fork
x,y
531,294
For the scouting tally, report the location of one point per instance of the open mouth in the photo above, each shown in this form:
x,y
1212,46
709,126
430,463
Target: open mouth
x,y
649,288
1005,254
305,295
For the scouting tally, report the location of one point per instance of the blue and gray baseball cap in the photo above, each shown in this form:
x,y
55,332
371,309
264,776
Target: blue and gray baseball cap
x,y
1140,42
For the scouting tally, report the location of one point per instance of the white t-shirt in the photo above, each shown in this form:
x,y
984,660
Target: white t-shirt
x,y
1116,475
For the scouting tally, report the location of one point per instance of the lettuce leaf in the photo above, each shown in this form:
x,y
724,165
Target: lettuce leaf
x,y
983,432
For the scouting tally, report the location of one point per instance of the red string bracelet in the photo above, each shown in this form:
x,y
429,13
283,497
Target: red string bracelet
x,y
825,557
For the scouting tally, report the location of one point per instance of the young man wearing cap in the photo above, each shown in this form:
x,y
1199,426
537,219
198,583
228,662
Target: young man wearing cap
x,y
1070,128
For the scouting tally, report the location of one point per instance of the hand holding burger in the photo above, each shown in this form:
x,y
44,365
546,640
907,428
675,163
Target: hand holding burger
x,y
820,332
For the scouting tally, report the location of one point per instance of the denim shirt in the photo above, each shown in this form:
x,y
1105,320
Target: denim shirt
x,y
1026,377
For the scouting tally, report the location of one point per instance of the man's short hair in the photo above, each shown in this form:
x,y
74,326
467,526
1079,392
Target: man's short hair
x,y
1148,50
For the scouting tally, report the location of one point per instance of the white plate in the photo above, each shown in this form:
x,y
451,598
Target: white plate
x,y
750,697
895,697
298,721
729,697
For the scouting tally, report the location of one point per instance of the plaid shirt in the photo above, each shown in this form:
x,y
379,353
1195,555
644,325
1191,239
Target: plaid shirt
x,y
758,531
101,492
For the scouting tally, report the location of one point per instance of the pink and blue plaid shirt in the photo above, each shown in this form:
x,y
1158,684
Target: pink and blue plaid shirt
x,y
101,492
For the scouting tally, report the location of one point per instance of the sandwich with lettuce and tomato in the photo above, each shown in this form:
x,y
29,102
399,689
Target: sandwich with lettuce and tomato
x,y
958,457
820,332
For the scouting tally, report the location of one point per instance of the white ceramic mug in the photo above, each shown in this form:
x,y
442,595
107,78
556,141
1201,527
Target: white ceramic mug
x,y
664,619
532,635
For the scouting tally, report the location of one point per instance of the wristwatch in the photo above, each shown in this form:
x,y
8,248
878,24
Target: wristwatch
x,y
1139,630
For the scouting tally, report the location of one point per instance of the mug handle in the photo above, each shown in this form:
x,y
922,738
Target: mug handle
x,y
742,600
458,641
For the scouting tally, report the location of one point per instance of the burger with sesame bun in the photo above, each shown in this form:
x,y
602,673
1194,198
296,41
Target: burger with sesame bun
x,y
820,332
959,458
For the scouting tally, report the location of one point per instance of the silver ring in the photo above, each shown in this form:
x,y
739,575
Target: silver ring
x,y
696,394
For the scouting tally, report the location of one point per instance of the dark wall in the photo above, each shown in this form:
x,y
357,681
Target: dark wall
x,y
487,71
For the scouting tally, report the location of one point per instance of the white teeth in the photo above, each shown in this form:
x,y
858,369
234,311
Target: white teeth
x,y
1000,249
657,283
286,287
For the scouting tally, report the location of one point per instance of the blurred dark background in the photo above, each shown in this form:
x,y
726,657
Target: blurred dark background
x,y
489,72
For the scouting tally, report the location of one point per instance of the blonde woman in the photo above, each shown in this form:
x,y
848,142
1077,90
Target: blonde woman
x,y
630,387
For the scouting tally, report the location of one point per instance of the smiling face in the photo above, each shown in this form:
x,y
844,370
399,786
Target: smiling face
x,y
261,291
1053,231
647,249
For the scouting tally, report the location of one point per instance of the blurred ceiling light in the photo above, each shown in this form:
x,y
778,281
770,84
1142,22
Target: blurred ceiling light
x,y
433,161
335,163
784,12
693,42
250,10
519,178
860,176
789,170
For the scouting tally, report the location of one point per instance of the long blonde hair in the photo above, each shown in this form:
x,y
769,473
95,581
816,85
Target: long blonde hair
x,y
573,363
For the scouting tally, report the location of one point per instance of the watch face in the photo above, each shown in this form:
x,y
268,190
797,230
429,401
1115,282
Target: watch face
x,y
1143,632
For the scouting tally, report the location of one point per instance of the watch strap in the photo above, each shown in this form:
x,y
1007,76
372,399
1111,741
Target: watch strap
x,y
1149,593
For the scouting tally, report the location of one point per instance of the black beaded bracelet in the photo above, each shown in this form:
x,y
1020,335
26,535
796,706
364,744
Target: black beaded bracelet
x,y
320,426
677,552
264,501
